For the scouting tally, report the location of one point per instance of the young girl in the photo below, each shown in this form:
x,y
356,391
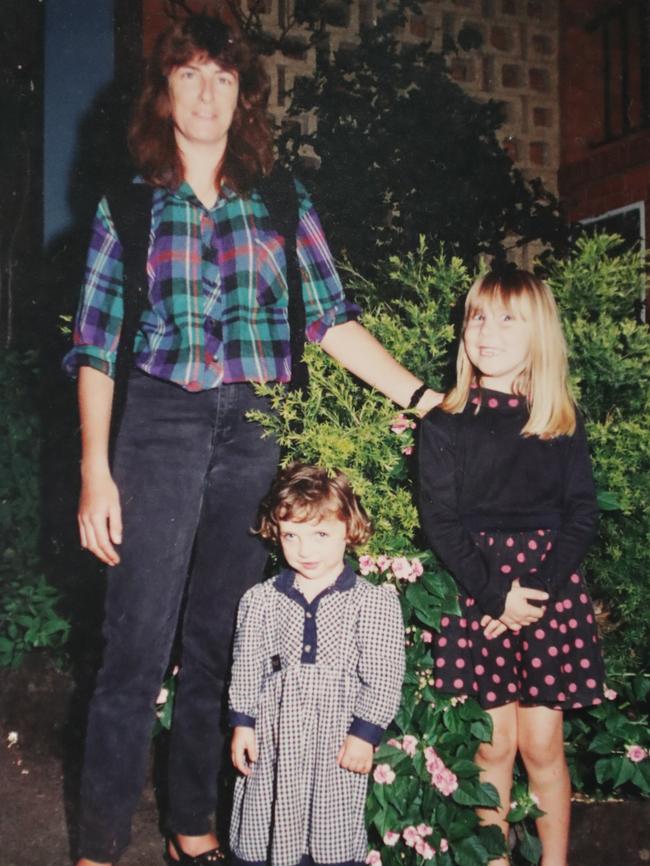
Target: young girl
x,y
317,673
508,503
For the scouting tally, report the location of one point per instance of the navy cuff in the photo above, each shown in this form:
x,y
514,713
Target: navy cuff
x,y
366,731
240,720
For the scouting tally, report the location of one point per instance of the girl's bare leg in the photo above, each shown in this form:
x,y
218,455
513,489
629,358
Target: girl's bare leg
x,y
541,745
496,760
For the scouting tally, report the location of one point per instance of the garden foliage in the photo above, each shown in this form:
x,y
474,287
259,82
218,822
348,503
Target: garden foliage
x,y
28,616
421,804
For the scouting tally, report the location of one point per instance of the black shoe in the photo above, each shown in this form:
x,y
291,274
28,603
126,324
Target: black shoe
x,y
208,858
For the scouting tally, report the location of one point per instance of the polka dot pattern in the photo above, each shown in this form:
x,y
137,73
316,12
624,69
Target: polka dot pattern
x,y
556,661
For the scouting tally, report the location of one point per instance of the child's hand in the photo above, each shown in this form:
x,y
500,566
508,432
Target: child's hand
x,y
492,627
355,755
243,749
518,611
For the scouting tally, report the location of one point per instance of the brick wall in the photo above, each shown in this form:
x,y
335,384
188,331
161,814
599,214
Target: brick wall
x,y
601,169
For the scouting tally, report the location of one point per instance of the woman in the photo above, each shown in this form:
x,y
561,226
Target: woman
x,y
171,512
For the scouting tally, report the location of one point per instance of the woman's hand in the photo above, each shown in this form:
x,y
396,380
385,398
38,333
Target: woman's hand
x,y
355,755
100,516
243,749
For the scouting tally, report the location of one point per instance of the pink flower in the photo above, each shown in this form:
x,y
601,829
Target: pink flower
x,y
416,567
424,849
401,568
163,694
610,694
408,450
384,562
444,845
427,636
373,858
410,744
394,743
367,564
400,424
443,779
434,763
410,836
636,753
383,774
424,829
391,838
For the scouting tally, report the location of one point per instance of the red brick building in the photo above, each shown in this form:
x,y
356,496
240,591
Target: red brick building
x,y
604,74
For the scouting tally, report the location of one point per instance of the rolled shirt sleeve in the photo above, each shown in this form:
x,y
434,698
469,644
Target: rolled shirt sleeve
x,y
325,302
98,320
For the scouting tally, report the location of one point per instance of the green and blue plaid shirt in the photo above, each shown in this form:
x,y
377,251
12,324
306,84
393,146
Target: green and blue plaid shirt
x,y
218,296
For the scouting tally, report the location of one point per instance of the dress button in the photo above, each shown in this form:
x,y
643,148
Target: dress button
x,y
308,615
307,647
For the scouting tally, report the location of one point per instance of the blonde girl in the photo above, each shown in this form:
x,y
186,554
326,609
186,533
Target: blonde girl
x,y
507,501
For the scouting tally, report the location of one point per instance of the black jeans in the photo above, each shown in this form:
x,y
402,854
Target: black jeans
x,y
191,471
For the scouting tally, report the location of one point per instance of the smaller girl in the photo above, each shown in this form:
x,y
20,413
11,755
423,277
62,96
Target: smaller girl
x,y
317,672
507,501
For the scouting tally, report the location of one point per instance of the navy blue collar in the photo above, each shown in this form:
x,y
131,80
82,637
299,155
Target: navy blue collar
x,y
286,579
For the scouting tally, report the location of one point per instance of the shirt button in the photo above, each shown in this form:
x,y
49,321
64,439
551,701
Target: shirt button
x,y
307,647
308,615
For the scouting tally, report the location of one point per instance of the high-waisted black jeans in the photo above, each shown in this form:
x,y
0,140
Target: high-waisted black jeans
x,y
191,471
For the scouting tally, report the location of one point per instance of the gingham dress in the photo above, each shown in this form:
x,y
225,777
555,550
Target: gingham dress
x,y
305,675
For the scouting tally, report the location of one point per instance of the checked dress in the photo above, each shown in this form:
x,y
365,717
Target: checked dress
x,y
305,674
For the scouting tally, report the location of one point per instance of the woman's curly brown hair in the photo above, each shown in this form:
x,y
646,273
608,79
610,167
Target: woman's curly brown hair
x,y
249,152
302,492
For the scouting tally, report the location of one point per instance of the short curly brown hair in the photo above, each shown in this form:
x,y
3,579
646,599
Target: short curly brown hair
x,y
302,492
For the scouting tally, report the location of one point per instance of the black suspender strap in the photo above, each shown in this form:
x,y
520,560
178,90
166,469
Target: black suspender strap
x,y
130,209
278,191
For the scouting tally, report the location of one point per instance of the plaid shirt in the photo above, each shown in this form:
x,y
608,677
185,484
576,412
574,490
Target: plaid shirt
x,y
217,292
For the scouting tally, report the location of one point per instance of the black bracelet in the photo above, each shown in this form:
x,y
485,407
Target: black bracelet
x,y
416,396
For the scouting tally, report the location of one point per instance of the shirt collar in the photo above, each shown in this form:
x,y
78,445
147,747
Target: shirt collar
x,y
345,581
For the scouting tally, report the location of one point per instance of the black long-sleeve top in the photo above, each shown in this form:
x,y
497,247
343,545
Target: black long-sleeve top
x,y
477,472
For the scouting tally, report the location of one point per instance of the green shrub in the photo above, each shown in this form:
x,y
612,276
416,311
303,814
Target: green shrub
x,y
28,617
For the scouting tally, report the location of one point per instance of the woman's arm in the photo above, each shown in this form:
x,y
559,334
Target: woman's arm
x,y
99,515
359,352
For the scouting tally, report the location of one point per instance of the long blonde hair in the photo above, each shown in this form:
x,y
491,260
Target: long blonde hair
x,y
544,381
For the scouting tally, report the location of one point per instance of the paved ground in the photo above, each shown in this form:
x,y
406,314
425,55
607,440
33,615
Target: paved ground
x,y
38,778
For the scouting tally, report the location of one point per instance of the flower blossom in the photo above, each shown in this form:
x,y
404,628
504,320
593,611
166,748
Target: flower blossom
x,y
407,450
391,838
444,846
636,753
383,774
410,744
401,423
394,743
426,636
424,849
163,694
367,565
383,562
424,829
441,777
610,694
410,836
373,858
403,569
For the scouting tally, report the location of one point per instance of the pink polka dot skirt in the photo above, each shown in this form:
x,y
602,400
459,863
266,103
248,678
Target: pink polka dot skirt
x,y
556,661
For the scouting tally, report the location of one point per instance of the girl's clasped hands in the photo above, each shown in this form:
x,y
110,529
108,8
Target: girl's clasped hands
x,y
518,611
